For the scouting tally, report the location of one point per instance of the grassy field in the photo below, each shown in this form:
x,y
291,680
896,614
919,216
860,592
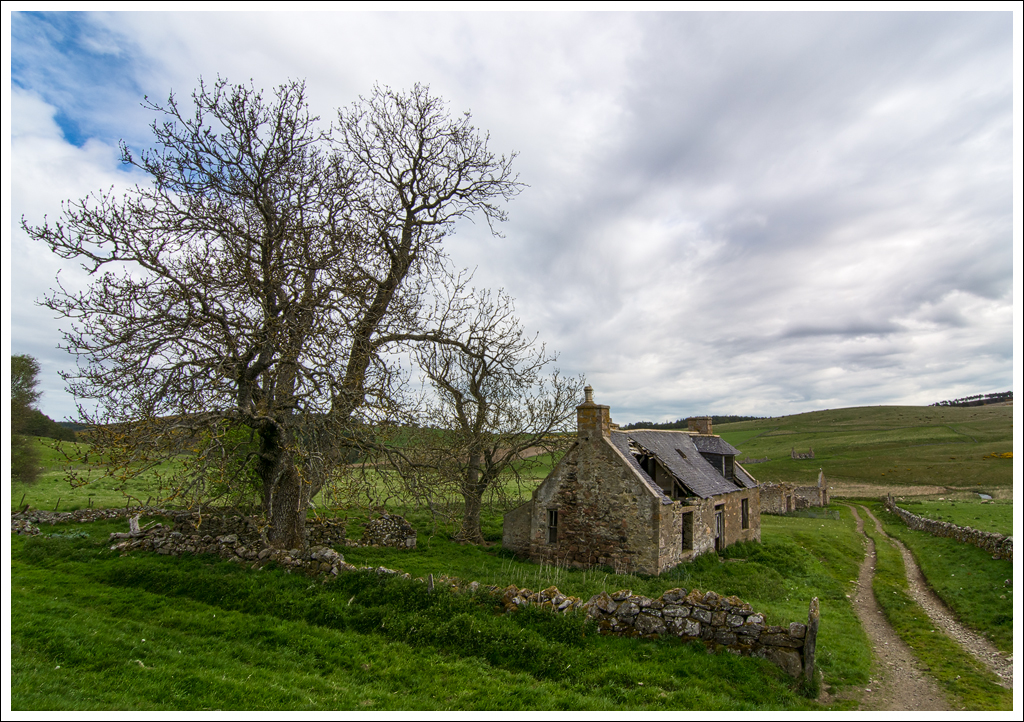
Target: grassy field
x,y
993,516
91,630
958,449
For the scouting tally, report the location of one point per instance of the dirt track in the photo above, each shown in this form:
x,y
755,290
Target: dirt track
x,y
897,682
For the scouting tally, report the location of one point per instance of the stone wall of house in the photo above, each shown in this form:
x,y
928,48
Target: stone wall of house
x,y
998,545
604,518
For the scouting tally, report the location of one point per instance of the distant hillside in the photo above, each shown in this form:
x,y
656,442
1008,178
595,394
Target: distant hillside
x,y
876,449
681,423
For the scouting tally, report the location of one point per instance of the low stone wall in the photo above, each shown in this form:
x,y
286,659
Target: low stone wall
x,y
719,622
999,546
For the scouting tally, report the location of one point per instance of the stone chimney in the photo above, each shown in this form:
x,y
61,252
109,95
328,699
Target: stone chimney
x,y
592,420
699,424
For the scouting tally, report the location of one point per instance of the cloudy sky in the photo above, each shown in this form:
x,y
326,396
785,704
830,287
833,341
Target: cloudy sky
x,y
749,213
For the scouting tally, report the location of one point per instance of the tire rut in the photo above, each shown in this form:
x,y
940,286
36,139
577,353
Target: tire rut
x,y
897,682
944,618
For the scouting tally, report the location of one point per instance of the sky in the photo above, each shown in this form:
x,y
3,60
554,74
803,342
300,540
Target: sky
x,y
726,213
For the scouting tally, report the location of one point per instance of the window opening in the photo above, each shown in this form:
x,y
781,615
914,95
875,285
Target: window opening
x,y
552,526
719,528
687,531
745,513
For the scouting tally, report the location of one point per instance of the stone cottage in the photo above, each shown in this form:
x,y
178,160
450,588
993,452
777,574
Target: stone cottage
x,y
784,498
639,501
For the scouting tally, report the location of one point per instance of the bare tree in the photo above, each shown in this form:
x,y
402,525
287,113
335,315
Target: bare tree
x,y
244,306
496,405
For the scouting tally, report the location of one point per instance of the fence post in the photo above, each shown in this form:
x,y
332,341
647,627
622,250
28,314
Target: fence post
x,y
810,640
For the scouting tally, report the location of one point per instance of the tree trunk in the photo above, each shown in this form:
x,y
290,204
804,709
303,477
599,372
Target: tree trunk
x,y
285,494
470,531
473,488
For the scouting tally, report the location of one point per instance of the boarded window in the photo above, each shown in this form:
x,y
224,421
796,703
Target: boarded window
x,y
744,514
552,526
687,531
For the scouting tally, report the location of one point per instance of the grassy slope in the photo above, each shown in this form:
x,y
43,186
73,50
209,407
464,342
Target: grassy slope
x,y
889,445
91,630
967,682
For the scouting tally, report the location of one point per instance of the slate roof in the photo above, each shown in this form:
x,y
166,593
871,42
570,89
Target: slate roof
x,y
714,445
669,447
742,477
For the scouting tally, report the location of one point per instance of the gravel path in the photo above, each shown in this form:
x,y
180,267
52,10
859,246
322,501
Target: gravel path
x,y
897,682
982,649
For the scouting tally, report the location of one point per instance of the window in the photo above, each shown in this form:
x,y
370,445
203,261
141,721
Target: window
x,y
720,527
744,513
687,531
552,526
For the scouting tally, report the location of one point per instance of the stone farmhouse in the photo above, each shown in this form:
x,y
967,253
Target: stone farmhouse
x,y
639,501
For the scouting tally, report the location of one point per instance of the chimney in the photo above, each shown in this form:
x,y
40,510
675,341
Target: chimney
x,y
592,420
699,424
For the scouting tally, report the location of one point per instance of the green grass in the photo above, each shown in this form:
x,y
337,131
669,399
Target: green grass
x,y
91,630
966,578
992,516
884,445
967,682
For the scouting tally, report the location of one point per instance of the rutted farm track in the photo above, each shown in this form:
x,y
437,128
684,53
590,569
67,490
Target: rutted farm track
x,y
899,683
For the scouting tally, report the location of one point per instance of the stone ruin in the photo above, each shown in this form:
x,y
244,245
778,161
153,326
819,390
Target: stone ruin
x,y
389,530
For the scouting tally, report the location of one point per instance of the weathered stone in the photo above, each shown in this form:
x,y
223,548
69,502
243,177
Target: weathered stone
x,y
702,615
718,619
628,608
675,610
622,595
788,659
734,620
649,624
781,640
674,595
725,637
797,630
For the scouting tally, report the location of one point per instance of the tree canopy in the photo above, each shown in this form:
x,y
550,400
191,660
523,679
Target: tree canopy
x,y
246,303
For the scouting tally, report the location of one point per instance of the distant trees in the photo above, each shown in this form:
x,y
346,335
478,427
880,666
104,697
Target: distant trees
x,y
495,405
24,395
245,306
979,399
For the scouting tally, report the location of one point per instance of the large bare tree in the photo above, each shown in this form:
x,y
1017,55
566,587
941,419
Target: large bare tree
x,y
496,404
244,305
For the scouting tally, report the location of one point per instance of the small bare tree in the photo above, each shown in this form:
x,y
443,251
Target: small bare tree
x,y
495,406
245,305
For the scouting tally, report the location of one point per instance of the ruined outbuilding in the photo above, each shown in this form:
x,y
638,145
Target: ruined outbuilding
x,y
784,498
638,501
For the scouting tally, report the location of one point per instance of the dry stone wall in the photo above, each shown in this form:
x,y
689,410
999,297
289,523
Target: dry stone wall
x,y
719,622
998,545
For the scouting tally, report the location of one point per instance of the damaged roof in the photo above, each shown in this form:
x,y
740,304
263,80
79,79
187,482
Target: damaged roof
x,y
677,452
713,445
